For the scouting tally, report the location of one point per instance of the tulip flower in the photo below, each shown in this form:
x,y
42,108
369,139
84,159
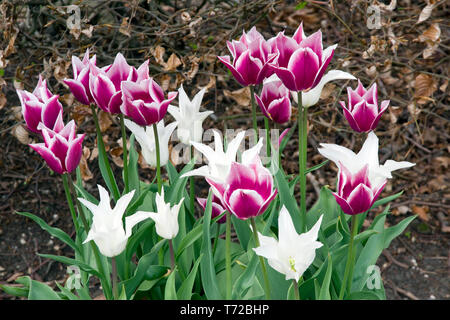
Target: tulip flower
x,y
189,117
247,190
311,97
166,217
274,101
105,83
41,106
62,149
107,228
363,113
251,57
216,206
355,193
219,162
144,101
293,253
361,177
79,85
146,138
301,60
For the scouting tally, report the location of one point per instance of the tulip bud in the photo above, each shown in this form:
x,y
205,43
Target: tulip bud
x,y
355,192
362,112
247,190
301,61
107,228
166,217
61,150
274,102
41,106
144,101
216,205
79,85
251,57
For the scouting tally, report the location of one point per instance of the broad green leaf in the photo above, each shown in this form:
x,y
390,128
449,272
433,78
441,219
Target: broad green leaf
x,y
207,270
38,290
72,262
170,292
324,293
57,233
185,291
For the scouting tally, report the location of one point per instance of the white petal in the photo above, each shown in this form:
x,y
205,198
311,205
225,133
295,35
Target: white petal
x,y
122,205
92,207
338,154
369,151
287,235
175,112
202,172
197,101
233,146
311,97
134,219
250,154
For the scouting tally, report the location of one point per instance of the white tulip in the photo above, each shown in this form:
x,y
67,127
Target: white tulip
x,y
368,155
189,117
166,218
146,138
107,229
219,161
293,253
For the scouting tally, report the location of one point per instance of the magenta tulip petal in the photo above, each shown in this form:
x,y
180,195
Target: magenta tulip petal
x,y
102,90
287,77
364,114
51,111
360,199
314,42
343,204
74,154
78,90
304,64
244,203
52,161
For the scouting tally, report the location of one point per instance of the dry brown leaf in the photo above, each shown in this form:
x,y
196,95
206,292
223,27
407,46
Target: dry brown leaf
x,y
88,31
2,100
86,174
104,119
79,113
241,96
426,12
125,27
424,86
432,38
194,68
327,91
158,53
422,212
21,134
172,63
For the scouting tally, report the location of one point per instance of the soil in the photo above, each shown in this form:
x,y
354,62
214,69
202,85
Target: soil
x,y
415,266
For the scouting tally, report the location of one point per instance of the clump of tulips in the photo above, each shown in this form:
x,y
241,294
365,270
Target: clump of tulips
x,y
153,242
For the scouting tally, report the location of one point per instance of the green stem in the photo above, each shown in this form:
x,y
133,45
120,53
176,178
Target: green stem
x,y
296,290
348,273
172,255
192,187
302,154
228,256
105,283
101,149
158,161
266,125
261,260
70,202
255,122
114,278
125,153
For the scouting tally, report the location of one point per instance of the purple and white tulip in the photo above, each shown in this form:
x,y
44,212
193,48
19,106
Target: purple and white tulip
x,y
41,106
275,102
144,101
361,177
355,192
106,83
362,112
216,206
301,61
251,57
61,150
247,190
79,85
